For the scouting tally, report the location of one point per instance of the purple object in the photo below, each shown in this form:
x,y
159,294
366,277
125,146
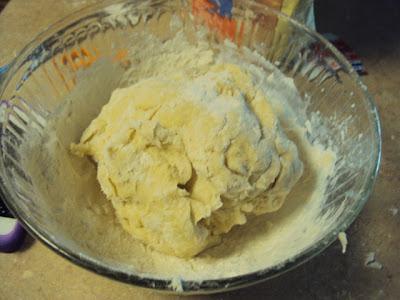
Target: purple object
x,y
11,241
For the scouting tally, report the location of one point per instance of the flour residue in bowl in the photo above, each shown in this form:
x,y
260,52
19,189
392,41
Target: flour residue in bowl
x,y
85,218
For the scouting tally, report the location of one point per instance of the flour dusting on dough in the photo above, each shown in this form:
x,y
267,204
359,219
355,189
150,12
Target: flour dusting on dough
x,y
184,159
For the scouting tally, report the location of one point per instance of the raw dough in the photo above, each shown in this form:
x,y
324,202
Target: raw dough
x,y
185,157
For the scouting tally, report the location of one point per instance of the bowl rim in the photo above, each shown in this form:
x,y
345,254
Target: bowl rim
x,y
211,285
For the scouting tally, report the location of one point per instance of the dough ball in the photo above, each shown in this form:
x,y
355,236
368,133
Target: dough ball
x,y
185,158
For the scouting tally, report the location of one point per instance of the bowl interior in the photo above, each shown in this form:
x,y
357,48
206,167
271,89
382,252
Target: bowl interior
x,y
87,55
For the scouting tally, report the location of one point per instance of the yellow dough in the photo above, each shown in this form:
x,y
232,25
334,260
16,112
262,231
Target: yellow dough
x,y
184,158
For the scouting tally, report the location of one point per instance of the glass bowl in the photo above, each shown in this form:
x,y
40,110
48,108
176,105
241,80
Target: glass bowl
x,y
47,71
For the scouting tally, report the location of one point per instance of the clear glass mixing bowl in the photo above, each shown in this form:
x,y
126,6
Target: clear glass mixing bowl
x,y
45,73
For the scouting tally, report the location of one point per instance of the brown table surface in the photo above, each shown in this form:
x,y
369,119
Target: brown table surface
x,y
373,30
